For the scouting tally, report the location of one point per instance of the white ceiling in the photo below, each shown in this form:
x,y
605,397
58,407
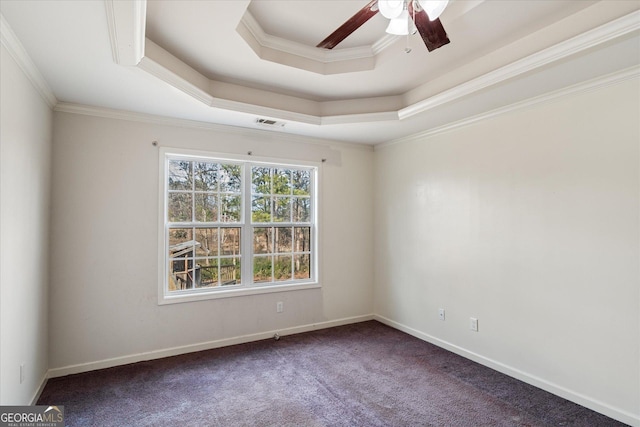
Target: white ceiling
x,y
231,62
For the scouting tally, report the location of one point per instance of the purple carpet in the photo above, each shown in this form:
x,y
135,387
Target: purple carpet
x,y
365,374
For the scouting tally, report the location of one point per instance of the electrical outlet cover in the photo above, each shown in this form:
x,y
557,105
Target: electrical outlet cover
x,y
473,324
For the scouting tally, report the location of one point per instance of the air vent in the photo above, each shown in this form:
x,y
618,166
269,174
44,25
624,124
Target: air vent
x,y
270,123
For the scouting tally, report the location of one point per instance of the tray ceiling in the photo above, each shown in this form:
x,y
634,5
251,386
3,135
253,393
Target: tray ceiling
x,y
239,60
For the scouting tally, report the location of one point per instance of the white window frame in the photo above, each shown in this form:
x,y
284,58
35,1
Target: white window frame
x,y
247,287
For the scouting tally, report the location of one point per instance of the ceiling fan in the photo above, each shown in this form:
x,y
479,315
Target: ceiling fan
x,y
425,15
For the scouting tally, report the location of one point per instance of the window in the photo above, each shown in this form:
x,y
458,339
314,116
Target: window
x,y
235,225
281,223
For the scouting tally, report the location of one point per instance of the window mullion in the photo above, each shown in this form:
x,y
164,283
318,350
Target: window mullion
x,y
247,228
193,195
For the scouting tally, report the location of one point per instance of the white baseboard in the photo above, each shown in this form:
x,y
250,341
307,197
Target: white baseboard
x,y
586,401
175,351
38,392
603,408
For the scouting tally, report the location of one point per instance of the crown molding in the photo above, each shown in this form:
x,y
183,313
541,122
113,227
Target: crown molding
x,y
250,27
298,49
384,42
584,87
298,55
163,65
17,51
172,71
176,73
320,55
588,86
572,46
158,70
154,68
360,118
108,113
126,21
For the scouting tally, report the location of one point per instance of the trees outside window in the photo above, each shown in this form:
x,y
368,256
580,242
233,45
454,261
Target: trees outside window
x,y
236,224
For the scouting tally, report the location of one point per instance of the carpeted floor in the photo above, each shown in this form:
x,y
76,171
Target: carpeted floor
x,y
365,374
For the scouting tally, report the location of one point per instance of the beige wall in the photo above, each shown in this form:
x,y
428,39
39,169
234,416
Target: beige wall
x,y
105,233
529,222
25,158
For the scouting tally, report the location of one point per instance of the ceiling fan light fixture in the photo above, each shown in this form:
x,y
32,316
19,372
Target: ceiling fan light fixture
x,y
400,25
430,28
434,8
391,9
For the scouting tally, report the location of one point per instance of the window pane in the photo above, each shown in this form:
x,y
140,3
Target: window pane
x,y
262,240
282,209
180,252
261,180
229,271
179,207
262,269
283,239
230,178
302,239
206,208
206,242
282,181
230,241
301,209
302,266
208,272
172,284
301,183
282,268
206,176
179,175
177,239
230,209
261,209
181,273
181,243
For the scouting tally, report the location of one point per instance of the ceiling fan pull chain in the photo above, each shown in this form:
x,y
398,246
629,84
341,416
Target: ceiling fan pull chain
x,y
407,49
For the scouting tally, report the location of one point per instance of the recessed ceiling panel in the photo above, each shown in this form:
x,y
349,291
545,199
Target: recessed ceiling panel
x,y
202,69
204,35
309,22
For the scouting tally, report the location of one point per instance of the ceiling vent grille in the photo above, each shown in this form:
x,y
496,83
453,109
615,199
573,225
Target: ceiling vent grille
x,y
270,123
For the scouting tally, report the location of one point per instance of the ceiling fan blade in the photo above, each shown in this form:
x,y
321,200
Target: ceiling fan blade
x,y
432,32
352,24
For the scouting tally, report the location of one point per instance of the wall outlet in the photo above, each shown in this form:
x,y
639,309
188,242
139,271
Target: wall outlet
x,y
279,307
21,373
441,314
473,324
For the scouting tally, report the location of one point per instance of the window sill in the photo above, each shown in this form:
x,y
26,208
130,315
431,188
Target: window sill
x,y
230,293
